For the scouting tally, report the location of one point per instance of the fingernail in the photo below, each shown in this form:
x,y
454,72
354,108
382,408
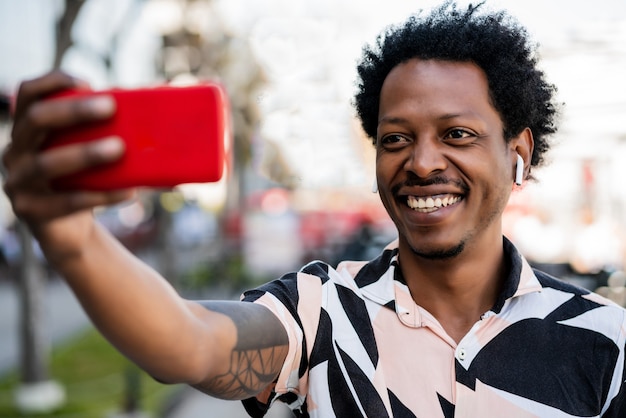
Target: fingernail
x,y
110,147
126,194
102,105
79,82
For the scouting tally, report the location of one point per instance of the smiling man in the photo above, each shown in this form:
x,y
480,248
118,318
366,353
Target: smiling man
x,y
445,174
449,321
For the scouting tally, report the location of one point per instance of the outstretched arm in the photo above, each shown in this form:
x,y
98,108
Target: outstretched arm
x,y
232,350
257,356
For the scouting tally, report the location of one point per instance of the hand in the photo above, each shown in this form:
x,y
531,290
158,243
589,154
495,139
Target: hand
x,y
60,220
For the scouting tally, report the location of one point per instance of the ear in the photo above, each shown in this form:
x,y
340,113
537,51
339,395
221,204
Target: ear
x,y
522,145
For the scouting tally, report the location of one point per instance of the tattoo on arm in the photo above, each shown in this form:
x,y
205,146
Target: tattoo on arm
x,y
258,355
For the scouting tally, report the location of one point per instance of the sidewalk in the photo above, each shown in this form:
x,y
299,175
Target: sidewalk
x,y
195,404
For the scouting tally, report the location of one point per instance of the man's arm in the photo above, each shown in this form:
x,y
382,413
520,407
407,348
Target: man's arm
x,y
173,339
227,349
258,355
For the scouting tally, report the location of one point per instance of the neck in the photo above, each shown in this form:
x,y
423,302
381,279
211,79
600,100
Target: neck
x,y
459,289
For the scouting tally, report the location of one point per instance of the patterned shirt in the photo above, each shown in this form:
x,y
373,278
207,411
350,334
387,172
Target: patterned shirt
x,y
359,346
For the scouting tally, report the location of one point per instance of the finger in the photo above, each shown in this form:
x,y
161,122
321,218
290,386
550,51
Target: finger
x,y
37,171
31,129
39,207
69,159
37,88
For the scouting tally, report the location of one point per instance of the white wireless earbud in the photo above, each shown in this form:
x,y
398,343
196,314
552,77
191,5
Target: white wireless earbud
x,y
375,186
519,170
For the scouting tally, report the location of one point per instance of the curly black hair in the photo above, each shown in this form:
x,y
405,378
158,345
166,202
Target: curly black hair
x,y
494,41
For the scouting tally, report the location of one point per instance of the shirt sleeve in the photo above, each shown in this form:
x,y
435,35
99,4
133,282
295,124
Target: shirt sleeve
x,y
617,404
299,319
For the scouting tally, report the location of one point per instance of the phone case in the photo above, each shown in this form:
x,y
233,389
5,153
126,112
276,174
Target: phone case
x,y
173,135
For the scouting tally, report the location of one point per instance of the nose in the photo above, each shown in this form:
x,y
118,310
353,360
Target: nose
x,y
426,158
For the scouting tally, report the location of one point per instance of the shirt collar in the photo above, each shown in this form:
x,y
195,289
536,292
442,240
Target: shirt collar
x,y
380,279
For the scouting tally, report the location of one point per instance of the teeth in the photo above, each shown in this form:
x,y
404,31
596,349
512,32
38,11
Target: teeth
x,y
429,204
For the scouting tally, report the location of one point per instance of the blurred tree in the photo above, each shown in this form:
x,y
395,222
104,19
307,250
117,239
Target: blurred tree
x,y
130,403
5,107
203,48
207,51
64,30
38,393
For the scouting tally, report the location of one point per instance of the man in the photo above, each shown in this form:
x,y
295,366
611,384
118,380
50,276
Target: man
x,y
449,321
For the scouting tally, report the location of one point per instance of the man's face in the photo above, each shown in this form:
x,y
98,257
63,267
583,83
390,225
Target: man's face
x,y
444,169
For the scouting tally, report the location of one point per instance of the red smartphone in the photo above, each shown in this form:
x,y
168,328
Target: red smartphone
x,y
173,135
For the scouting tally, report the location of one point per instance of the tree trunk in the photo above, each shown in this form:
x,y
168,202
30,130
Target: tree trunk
x,y
37,392
64,30
34,345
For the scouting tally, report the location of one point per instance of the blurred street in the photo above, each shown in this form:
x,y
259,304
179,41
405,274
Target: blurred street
x,y
64,317
197,405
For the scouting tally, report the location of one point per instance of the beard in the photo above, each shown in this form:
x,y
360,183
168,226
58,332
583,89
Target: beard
x,y
440,254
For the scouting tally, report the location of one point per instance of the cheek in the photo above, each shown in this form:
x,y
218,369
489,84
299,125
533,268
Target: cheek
x,y
385,195
388,165
385,179
498,191
487,178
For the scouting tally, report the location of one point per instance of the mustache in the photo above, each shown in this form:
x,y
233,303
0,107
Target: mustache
x,y
414,181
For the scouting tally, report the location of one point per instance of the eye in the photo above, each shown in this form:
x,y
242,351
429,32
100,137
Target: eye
x,y
459,134
393,141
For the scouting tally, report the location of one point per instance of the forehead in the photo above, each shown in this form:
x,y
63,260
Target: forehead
x,y
436,86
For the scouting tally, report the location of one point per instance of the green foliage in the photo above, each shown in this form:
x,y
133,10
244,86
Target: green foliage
x,y
96,379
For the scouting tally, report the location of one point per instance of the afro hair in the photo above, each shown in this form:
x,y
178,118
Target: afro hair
x,y
493,41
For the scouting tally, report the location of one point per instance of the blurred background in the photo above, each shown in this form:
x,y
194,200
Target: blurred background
x,y
298,185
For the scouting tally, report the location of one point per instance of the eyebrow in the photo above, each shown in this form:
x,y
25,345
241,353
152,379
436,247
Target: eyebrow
x,y
399,120
393,120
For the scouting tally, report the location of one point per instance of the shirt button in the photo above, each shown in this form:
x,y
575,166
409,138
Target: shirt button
x,y
462,354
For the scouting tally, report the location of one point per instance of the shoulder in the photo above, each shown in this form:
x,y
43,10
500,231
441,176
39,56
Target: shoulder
x,y
581,307
548,281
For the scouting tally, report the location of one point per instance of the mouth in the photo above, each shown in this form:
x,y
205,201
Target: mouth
x,y
428,204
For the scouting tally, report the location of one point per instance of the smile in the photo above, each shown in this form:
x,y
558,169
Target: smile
x,y
426,204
